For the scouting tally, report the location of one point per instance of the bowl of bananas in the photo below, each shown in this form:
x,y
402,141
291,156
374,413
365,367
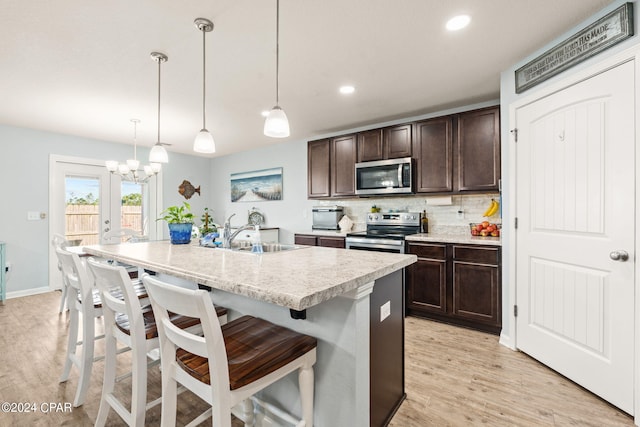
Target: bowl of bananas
x,y
485,229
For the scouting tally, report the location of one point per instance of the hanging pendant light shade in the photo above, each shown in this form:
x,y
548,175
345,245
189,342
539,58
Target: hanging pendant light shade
x,y
204,140
158,153
277,125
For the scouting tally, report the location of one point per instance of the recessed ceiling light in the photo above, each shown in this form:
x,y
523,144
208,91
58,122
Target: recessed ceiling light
x,y
458,22
347,90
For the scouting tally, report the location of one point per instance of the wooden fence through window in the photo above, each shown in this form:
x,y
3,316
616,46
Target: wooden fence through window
x,y
83,222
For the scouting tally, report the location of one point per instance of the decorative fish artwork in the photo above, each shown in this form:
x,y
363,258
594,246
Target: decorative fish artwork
x,y
187,189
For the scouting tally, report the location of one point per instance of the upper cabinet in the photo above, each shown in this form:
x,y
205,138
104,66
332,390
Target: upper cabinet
x,y
478,150
343,161
389,143
331,167
458,153
370,145
433,153
318,172
397,142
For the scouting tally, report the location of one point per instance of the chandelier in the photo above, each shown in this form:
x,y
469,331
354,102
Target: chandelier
x,y
129,171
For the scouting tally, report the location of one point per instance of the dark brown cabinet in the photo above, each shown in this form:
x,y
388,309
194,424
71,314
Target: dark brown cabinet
x,y
331,167
458,154
318,168
478,150
433,151
397,141
326,241
455,283
427,279
389,143
343,161
370,145
304,239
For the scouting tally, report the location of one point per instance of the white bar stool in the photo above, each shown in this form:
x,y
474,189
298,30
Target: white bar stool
x,y
83,299
230,363
59,241
134,326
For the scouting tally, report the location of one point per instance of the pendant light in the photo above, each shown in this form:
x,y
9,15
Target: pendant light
x,y
277,125
129,170
204,140
158,153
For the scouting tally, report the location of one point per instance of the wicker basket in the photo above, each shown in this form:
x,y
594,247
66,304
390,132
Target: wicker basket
x,y
474,225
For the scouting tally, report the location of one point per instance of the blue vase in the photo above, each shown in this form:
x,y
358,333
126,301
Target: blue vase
x,y
180,234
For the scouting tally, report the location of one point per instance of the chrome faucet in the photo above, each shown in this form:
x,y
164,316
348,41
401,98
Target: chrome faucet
x,y
228,236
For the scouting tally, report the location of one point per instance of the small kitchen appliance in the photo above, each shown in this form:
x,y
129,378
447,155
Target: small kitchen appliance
x,y
327,217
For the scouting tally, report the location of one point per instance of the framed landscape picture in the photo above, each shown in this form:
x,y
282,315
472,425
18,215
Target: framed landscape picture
x,y
256,186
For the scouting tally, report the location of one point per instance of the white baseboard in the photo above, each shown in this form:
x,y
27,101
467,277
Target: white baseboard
x,y
506,340
28,292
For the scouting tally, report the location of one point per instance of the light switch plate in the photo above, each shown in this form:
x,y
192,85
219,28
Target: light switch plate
x,y
33,216
385,310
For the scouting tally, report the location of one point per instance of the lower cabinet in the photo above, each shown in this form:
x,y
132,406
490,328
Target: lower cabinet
x,y
456,283
313,240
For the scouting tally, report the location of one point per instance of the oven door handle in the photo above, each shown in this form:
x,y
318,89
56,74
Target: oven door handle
x,y
370,242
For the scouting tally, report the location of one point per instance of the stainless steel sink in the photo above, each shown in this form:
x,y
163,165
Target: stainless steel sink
x,y
266,247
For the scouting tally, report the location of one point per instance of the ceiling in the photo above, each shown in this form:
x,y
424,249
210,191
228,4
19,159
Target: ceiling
x,y
84,68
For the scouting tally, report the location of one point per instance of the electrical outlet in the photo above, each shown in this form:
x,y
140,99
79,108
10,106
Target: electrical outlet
x,y
7,267
33,216
385,310
460,214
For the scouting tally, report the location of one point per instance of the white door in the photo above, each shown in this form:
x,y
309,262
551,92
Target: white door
x,y
575,198
86,201
80,206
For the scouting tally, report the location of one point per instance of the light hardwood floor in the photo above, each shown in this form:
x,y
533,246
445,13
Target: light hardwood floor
x,y
454,377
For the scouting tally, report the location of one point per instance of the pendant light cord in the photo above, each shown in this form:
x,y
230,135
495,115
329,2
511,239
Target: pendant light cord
x,y
159,65
277,52
204,78
135,140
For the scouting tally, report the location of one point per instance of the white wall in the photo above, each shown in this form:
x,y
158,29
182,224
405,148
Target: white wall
x,y
507,97
24,183
291,213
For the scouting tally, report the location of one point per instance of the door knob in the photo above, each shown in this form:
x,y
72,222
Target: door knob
x,y
619,255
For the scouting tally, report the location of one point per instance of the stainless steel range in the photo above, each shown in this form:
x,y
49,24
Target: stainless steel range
x,y
385,232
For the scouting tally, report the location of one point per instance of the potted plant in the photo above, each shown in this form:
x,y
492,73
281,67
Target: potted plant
x,y
207,223
180,221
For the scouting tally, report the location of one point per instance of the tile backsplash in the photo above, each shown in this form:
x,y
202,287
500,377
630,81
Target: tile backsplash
x,y
442,218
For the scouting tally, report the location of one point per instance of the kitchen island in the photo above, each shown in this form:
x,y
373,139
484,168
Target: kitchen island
x,y
351,301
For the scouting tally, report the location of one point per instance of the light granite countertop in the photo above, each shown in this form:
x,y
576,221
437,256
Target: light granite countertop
x,y
454,238
444,237
297,279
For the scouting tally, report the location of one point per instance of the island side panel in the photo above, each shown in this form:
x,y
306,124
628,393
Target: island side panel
x,y
341,326
387,348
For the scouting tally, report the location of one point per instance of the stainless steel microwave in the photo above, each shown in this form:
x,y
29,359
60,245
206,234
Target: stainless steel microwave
x,y
393,176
